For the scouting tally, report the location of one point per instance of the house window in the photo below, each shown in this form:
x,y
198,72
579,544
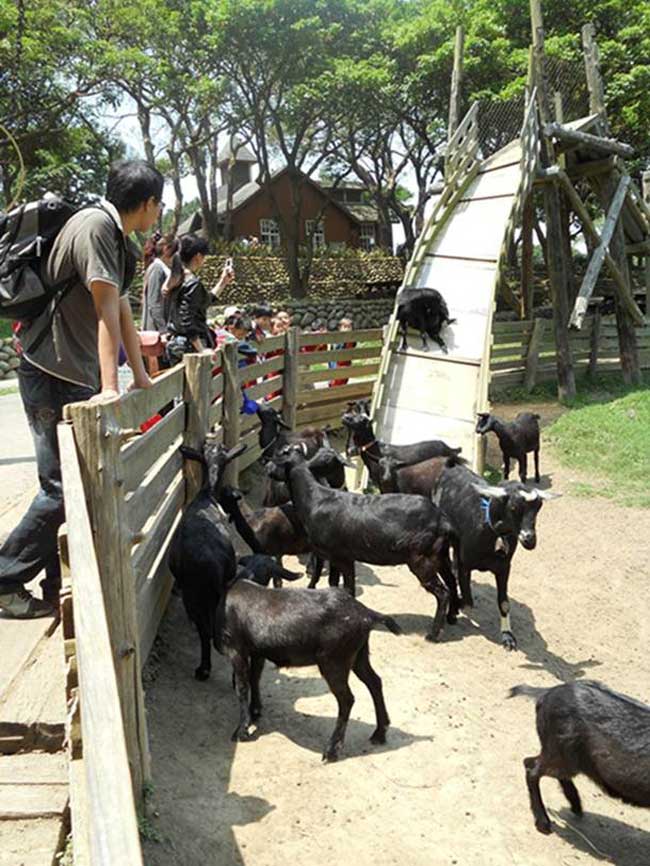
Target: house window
x,y
368,235
270,233
318,239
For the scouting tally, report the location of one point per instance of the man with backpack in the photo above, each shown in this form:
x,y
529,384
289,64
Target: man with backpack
x,y
70,353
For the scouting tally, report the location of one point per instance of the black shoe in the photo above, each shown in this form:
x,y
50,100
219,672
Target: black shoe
x,y
21,604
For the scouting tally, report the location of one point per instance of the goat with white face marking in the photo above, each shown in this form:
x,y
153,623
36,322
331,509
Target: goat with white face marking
x,y
488,522
516,439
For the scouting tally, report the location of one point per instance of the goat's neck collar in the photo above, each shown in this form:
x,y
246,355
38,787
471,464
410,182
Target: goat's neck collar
x,y
486,504
368,445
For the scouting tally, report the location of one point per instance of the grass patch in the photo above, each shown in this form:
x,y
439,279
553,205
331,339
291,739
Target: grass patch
x,y
9,389
5,329
610,440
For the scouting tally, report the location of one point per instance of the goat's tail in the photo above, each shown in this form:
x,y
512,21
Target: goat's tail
x,y
388,621
527,692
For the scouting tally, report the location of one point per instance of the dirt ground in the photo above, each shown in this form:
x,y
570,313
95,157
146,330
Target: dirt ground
x,y
448,787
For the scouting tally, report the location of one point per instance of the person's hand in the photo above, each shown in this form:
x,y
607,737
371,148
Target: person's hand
x,y
227,274
140,382
105,396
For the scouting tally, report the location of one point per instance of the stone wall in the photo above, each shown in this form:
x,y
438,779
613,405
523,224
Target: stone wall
x,y
326,313
9,359
263,276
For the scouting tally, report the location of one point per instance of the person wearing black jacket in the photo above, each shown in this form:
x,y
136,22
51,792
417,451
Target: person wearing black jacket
x,y
188,314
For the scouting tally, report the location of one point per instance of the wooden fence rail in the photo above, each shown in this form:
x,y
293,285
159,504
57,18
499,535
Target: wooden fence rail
x,y
126,485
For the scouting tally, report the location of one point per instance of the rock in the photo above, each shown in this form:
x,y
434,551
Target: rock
x,y
4,367
14,362
307,320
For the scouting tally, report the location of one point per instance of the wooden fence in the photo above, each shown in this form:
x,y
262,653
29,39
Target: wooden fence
x,y
125,485
523,353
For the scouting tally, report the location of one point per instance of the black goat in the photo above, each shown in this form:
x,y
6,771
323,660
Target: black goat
x,y
201,555
516,439
296,628
584,727
277,529
393,529
357,420
426,311
488,523
261,569
419,478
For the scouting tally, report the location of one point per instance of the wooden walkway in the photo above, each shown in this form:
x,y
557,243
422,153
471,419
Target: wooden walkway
x,y
33,764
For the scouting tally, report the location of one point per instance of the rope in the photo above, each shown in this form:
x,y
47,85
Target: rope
x,y
22,173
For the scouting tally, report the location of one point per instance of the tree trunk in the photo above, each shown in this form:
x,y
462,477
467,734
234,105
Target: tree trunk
x,y
144,119
292,260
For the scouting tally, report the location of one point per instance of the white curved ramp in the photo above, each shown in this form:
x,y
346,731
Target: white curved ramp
x,y
426,394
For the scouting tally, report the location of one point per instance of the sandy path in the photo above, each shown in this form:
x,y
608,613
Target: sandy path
x,y
448,788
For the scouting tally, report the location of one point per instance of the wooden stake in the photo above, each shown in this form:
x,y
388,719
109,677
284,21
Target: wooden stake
x,y
595,343
290,383
592,68
456,81
527,273
198,376
532,356
232,400
557,264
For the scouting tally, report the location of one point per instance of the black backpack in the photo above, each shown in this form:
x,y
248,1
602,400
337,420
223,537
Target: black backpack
x,y
27,234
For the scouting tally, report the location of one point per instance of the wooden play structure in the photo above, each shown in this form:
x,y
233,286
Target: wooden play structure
x,y
465,245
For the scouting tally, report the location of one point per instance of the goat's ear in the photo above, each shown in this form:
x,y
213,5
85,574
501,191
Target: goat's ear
x,y
303,446
235,452
191,454
547,494
490,490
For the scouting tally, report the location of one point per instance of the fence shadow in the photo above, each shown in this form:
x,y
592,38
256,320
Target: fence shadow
x,y
190,724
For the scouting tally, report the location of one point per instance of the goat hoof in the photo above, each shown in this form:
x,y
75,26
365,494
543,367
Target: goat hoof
x,y
330,757
433,637
508,641
202,674
543,827
378,738
241,735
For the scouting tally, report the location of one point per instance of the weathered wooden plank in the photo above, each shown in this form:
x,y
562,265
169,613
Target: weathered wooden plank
x,y
532,356
19,640
584,139
158,528
217,386
249,457
144,501
365,335
113,825
153,597
310,358
290,376
79,813
335,395
314,418
34,768
355,371
142,452
266,386
197,398
136,407
215,414
270,344
261,368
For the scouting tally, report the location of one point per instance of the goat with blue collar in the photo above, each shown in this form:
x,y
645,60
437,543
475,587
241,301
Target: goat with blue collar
x,y
488,521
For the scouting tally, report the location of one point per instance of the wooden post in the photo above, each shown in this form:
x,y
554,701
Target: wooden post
x,y
532,356
565,210
527,272
456,81
592,68
595,343
98,435
198,376
232,401
557,264
645,192
606,187
290,383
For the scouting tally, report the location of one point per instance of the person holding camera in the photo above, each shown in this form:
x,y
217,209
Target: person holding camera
x,y
188,320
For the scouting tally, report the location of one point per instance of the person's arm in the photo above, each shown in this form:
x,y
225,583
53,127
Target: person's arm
x,y
227,276
107,306
131,343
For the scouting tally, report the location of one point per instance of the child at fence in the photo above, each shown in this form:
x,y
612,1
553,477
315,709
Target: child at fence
x,y
344,325
70,354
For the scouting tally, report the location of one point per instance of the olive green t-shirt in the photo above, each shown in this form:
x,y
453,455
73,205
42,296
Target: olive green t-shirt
x,y
91,245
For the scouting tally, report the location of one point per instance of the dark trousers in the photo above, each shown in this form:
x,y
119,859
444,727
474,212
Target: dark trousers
x,y
32,546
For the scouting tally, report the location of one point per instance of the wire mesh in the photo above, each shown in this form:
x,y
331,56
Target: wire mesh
x,y
499,123
568,78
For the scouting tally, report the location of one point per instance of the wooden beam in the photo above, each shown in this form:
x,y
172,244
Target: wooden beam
x,y
198,378
456,80
532,356
592,68
232,401
290,376
585,139
555,253
113,828
598,257
595,343
641,249
527,271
